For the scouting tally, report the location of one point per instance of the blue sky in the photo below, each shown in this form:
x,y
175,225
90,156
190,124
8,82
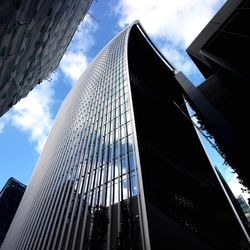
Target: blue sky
x,y
172,25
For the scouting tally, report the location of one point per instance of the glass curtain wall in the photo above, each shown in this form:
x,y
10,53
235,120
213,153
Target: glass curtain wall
x,y
87,173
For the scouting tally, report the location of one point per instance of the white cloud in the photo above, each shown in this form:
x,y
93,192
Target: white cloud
x,y
236,188
175,24
83,38
1,126
178,58
33,114
76,60
3,121
73,65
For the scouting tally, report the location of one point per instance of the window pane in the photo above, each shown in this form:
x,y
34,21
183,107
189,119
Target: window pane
x,y
124,165
101,195
134,188
123,146
117,122
129,127
116,149
110,152
128,116
131,162
122,119
116,168
123,134
117,134
108,195
130,143
116,194
109,172
124,187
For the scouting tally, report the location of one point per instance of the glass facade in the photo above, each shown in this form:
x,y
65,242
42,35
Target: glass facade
x,y
123,168
91,164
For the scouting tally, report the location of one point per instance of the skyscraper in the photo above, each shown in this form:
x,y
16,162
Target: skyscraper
x,y
123,167
10,197
239,203
245,208
222,99
34,35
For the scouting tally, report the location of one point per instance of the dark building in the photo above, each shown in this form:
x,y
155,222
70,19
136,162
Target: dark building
x,y
10,197
239,204
221,53
245,208
34,35
123,168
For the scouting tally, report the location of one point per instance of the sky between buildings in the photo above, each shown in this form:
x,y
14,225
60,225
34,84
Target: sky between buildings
x,y
172,25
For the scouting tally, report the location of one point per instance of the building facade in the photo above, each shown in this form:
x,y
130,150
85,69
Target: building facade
x,y
123,168
10,197
239,204
222,99
34,35
245,208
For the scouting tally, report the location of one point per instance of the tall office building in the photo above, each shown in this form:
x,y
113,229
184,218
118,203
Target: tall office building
x,y
123,167
10,197
245,208
239,204
221,53
34,35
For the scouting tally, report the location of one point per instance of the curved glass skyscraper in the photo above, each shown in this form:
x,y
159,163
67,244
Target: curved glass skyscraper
x,y
122,167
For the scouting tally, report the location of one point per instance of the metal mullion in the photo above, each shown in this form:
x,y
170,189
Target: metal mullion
x,y
128,178
33,214
74,163
45,188
85,217
112,195
73,207
63,202
57,201
105,152
97,187
56,237
127,157
127,174
59,198
51,179
104,146
79,209
106,170
97,147
57,216
94,165
111,189
69,204
28,222
119,172
102,142
88,194
113,162
118,140
83,174
108,205
126,141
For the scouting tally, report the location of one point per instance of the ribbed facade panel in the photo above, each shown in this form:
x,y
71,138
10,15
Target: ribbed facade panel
x,y
87,166
123,167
